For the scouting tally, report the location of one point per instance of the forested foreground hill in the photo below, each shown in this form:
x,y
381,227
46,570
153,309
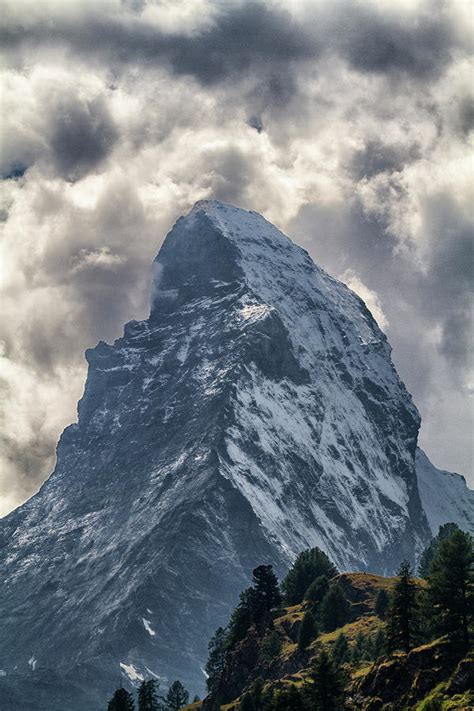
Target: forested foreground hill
x,y
323,640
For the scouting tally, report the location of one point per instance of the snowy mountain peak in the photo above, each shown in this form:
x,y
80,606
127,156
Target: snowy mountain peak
x,y
256,413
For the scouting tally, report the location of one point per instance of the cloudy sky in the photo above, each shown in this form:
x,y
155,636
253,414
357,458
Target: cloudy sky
x,y
346,123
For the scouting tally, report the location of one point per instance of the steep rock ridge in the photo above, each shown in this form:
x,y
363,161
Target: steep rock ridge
x,y
255,413
445,496
317,407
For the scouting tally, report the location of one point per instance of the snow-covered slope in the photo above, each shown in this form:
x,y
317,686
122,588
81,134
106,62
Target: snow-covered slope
x,y
256,412
445,496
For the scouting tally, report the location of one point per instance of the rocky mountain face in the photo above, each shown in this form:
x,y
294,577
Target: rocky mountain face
x,y
444,495
255,413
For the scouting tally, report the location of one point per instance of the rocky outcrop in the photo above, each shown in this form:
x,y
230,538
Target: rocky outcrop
x,y
404,680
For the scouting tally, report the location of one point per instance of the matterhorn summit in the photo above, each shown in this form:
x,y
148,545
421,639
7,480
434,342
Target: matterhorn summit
x,y
255,413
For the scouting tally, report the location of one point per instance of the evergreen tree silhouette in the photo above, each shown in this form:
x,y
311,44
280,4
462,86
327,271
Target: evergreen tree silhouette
x,y
334,609
402,623
382,602
309,565
215,662
287,700
445,531
242,618
177,696
266,594
148,696
121,701
307,631
317,590
451,588
326,690
340,650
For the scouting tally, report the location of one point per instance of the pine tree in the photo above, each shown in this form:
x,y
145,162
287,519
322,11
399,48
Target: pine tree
x,y
401,618
369,648
334,609
379,644
382,602
177,696
216,659
325,693
271,647
317,590
287,700
444,532
340,650
242,618
308,566
451,587
259,696
148,696
246,702
308,630
266,595
121,701
360,646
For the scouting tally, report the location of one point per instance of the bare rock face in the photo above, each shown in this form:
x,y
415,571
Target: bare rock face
x,y
404,680
255,413
445,496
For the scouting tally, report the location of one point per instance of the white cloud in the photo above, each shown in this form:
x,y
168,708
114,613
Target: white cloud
x,y
371,299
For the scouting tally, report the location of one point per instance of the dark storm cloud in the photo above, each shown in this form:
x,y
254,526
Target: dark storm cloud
x,y
449,282
378,157
376,41
243,36
256,37
82,134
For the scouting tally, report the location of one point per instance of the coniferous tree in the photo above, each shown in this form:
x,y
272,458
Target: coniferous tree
x,y
360,648
148,696
317,590
308,566
247,703
177,696
382,602
287,700
121,701
215,662
402,623
271,646
429,553
266,594
326,691
379,644
340,650
451,587
334,609
308,630
260,698
255,605
242,618
369,648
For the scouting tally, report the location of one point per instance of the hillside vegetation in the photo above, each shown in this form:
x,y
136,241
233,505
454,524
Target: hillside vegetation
x,y
350,640
327,641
